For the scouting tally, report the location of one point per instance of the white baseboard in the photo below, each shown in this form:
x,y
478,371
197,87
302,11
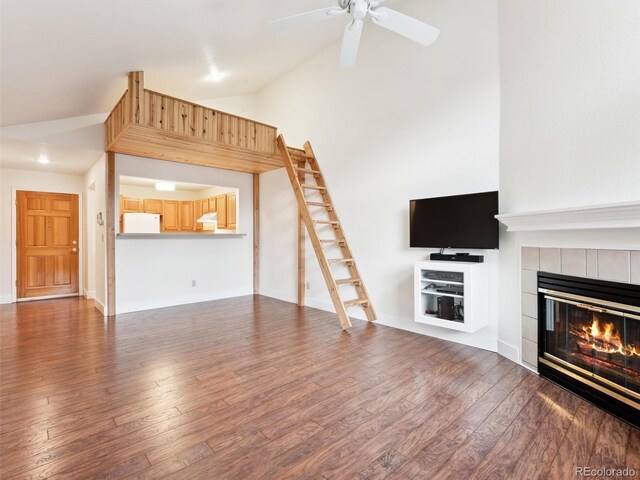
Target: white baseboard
x,y
6,299
98,304
509,351
285,297
151,304
89,294
477,340
473,340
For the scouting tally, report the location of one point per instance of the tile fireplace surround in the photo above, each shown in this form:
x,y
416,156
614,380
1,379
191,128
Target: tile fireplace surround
x,y
614,265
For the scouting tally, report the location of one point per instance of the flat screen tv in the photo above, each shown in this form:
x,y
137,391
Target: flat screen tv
x,y
459,221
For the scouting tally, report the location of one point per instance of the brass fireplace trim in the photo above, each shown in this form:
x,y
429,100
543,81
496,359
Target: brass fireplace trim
x,y
586,306
595,301
570,367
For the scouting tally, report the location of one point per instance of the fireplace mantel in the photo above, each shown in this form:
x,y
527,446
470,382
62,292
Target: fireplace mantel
x,y
614,215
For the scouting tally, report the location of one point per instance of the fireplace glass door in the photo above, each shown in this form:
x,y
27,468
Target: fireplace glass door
x,y
596,343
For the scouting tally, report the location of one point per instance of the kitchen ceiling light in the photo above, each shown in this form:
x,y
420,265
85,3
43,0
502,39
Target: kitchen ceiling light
x,y
165,186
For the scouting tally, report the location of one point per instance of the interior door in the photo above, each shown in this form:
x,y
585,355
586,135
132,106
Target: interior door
x,y
47,244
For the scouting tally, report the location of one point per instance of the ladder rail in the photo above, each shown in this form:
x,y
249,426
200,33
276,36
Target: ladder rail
x,y
341,310
344,246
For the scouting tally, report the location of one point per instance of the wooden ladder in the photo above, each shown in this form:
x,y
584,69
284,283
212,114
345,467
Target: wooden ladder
x,y
305,175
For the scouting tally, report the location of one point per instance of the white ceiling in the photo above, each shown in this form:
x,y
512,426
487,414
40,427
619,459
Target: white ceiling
x,y
24,155
67,58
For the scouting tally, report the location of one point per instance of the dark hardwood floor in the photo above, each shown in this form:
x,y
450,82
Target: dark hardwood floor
x,y
256,388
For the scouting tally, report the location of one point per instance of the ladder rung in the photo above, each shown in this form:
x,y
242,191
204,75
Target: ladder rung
x,y
332,241
312,187
307,170
346,281
319,204
299,153
357,301
327,222
340,260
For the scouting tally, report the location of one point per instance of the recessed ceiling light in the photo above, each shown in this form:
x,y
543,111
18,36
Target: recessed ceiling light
x,y
165,186
43,160
216,75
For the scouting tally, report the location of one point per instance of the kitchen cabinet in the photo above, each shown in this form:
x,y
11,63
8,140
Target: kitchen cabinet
x,y
170,215
231,211
152,205
131,205
182,215
221,208
198,211
187,221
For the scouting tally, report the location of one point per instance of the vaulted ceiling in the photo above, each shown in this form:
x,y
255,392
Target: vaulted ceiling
x,y
67,58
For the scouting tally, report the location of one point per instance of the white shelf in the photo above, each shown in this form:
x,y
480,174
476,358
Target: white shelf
x,y
442,281
474,297
439,322
441,294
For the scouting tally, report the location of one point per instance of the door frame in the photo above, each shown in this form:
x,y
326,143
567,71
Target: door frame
x,y
14,237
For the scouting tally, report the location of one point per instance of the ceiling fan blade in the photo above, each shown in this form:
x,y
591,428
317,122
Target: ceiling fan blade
x,y
312,16
403,25
350,43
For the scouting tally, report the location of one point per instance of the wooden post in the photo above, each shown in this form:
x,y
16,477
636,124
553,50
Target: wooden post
x,y
110,232
301,252
136,97
256,233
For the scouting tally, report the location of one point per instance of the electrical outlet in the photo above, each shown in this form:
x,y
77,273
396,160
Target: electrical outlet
x,y
193,283
308,285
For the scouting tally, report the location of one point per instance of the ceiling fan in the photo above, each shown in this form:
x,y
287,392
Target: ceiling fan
x,y
384,17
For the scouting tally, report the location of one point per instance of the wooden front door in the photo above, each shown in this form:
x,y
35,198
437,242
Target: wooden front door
x,y
47,244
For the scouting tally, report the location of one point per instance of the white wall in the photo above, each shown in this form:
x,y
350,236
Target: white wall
x,y
154,273
11,179
406,122
89,250
96,203
242,105
570,123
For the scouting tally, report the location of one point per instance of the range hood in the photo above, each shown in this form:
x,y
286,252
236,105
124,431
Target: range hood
x,y
208,218
209,222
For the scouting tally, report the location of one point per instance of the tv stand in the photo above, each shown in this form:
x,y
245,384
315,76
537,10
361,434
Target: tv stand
x,y
460,290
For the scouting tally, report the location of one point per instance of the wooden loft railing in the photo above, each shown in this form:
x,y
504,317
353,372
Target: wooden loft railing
x,y
155,125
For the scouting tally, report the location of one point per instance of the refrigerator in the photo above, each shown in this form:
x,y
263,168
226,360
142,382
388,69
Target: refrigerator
x,y
141,223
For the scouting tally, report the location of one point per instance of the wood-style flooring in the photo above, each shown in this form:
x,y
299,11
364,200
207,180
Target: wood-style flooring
x,y
256,388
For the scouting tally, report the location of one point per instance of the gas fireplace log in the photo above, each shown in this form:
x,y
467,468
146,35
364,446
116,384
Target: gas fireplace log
x,y
597,341
607,370
629,365
586,348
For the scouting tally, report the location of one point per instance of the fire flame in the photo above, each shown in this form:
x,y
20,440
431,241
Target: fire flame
x,y
605,338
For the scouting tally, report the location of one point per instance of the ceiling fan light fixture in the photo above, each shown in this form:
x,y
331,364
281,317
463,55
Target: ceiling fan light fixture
x,y
386,18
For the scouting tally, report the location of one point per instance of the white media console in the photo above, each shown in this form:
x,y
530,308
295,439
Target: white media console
x,y
452,295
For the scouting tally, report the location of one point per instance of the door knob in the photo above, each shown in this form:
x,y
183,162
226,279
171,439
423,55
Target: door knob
x,y
74,250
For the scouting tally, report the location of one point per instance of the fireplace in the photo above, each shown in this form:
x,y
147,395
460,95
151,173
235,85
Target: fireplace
x,y
589,340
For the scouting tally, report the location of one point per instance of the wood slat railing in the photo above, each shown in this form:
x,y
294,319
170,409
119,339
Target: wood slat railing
x,y
179,116
117,120
176,116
